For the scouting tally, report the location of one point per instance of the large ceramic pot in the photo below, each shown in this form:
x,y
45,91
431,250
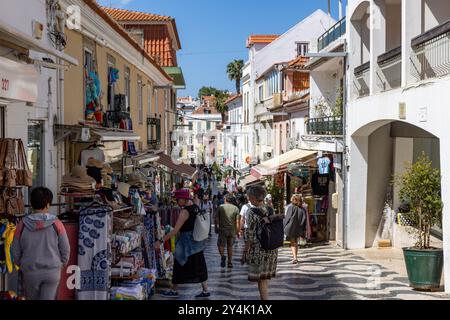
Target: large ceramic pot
x,y
424,267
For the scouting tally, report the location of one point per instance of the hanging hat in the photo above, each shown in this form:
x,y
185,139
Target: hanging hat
x,y
92,162
124,189
106,169
182,194
79,179
136,179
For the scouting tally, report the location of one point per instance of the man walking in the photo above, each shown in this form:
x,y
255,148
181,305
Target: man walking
x,y
227,226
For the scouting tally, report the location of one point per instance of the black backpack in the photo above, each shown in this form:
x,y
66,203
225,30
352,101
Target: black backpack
x,y
272,233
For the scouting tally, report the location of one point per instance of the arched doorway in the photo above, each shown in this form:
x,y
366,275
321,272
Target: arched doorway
x,y
378,152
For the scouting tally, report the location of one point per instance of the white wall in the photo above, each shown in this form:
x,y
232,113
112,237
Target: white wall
x,y
20,16
435,13
284,48
379,179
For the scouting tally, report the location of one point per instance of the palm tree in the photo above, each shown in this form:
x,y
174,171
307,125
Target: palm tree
x,y
234,70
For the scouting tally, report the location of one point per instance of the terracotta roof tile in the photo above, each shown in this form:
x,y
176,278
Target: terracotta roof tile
x,y
261,38
232,98
201,110
127,15
298,62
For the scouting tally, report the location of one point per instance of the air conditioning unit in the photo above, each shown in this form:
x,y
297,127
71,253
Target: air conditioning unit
x,y
277,100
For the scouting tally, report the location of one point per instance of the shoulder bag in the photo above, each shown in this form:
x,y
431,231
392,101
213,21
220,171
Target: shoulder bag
x,y
10,172
24,175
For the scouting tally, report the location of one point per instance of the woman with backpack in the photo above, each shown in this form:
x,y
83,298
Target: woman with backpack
x,y
262,263
295,224
189,263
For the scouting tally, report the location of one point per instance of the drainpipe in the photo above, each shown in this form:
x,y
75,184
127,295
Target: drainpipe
x,y
340,10
329,8
60,118
345,161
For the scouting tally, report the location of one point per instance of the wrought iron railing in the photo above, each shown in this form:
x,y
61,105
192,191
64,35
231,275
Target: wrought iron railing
x,y
330,126
431,53
332,34
389,72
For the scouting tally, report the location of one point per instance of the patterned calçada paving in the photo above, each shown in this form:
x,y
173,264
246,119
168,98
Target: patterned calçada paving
x,y
323,273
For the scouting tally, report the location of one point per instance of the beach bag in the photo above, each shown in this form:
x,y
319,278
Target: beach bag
x,y
201,226
24,175
10,173
271,235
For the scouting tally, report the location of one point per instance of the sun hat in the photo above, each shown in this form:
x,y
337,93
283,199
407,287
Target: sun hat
x,y
136,179
182,194
78,176
92,162
124,189
106,169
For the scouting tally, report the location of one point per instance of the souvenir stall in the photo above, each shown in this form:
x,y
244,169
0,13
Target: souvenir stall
x,y
312,180
15,177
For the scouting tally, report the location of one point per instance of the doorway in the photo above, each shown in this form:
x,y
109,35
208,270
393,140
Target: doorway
x,y
35,152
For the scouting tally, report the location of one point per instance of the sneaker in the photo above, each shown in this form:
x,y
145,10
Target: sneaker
x,y
203,295
223,262
170,294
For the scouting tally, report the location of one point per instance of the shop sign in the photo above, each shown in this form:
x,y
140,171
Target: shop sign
x,y
18,81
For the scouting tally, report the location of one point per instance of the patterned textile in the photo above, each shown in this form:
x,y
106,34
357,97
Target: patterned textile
x,y
94,253
262,264
149,241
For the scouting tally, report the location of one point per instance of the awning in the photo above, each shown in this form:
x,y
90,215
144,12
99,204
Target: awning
x,y
279,163
106,135
145,158
19,38
247,181
177,75
183,169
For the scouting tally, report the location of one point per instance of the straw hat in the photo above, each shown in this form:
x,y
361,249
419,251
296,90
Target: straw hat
x,y
136,179
78,177
124,189
92,162
106,169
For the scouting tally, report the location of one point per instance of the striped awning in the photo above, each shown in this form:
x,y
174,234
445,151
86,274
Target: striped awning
x,y
183,169
280,163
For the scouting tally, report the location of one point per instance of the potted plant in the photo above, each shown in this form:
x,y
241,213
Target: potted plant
x,y
420,186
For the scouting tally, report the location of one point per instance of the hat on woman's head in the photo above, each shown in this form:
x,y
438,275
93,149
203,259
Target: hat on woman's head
x,y
182,194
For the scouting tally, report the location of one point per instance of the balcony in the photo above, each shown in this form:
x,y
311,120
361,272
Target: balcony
x,y
333,34
328,126
431,53
362,79
389,73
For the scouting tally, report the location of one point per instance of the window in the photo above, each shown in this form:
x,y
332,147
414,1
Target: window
x,y
127,80
208,126
273,83
199,127
260,93
2,121
140,102
153,131
191,125
302,48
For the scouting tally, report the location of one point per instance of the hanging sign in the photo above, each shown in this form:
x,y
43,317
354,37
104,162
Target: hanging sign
x,y
18,81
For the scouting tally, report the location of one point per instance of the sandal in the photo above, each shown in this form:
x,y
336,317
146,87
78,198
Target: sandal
x,y
294,261
203,295
230,265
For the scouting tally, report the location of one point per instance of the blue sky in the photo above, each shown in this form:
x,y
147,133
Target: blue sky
x,y
214,32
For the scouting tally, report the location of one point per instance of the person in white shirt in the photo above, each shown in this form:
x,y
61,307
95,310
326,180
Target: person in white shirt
x,y
244,217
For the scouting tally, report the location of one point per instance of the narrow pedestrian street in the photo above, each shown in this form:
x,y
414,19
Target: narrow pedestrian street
x,y
323,273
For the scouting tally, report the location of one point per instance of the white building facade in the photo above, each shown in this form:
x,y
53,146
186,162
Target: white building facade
x,y
234,136
398,84
266,80
32,68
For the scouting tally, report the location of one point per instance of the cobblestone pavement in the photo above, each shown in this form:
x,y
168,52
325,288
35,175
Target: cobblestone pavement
x,y
323,273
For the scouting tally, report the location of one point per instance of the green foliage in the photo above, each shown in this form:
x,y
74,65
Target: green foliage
x,y
337,110
420,186
234,71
